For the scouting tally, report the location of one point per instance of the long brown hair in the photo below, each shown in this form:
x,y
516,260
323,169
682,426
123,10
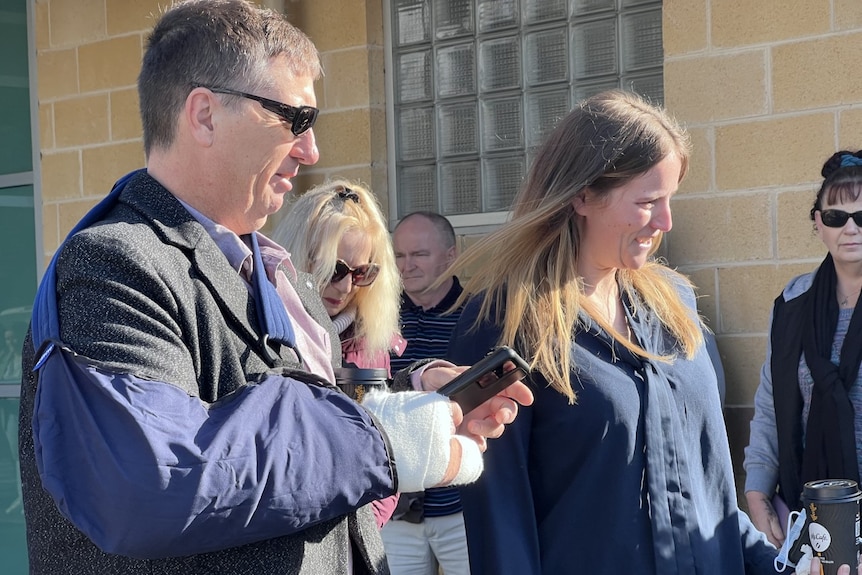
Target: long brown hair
x,y
605,142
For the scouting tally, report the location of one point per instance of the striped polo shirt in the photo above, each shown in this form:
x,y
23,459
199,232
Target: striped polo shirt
x,y
427,333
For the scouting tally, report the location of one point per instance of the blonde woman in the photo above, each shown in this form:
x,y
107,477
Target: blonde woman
x,y
622,463
337,233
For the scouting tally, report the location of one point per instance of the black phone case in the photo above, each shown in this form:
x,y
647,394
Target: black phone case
x,y
485,379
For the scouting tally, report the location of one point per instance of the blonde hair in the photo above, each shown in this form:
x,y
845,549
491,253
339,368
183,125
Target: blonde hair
x,y
311,231
605,142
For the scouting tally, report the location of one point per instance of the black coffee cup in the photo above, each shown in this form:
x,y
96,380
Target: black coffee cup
x,y
357,381
832,522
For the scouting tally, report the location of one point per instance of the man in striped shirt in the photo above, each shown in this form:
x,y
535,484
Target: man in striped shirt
x,y
427,531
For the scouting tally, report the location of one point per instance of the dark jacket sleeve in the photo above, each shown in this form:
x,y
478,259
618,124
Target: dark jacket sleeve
x,y
498,509
145,470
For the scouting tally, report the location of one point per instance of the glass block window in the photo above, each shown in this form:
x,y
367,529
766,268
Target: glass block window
x,y
479,84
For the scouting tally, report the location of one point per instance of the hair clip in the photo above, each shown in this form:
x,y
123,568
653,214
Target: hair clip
x,y
850,160
347,194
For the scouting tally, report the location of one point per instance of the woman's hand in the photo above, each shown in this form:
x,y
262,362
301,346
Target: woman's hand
x,y
763,516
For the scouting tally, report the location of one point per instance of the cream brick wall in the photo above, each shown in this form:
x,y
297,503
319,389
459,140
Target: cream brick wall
x,y
88,55
767,91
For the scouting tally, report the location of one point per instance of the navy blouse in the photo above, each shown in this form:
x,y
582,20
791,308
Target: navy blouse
x,y
635,477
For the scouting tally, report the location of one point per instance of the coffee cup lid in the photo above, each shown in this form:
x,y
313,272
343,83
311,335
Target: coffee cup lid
x,y
831,489
360,373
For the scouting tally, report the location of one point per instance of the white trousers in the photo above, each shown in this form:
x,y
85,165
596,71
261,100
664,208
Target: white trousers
x,y
423,548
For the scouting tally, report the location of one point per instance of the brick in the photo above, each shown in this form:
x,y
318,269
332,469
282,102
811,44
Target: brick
x,y
748,154
70,213
50,228
746,293
736,229
794,228
109,64
849,129
815,73
335,24
46,126
742,358
346,83
344,138
713,88
700,165
80,121
847,14
125,115
374,18
42,25
103,165
58,73
684,26
61,176
737,23
376,77
705,283
377,136
123,16
73,23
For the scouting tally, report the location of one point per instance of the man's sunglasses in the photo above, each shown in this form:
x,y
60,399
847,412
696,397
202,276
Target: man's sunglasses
x,y
361,276
300,119
837,218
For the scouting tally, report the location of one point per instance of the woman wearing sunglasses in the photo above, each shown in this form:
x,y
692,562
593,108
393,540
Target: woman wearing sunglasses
x,y
807,421
337,233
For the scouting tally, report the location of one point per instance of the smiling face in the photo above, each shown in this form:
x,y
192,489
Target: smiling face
x,y
844,243
354,249
618,231
257,154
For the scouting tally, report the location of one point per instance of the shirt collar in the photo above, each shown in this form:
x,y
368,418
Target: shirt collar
x,y
237,252
450,298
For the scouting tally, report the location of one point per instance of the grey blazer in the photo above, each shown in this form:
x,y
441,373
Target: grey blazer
x,y
215,326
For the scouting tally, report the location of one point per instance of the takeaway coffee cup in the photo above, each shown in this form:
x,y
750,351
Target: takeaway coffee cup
x,y
356,381
832,524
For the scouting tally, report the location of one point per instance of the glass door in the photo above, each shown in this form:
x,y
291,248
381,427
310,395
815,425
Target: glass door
x,y
18,265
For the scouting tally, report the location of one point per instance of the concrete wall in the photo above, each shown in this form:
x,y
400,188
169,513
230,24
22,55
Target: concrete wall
x,y
768,89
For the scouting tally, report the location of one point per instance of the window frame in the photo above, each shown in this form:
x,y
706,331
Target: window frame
x,y
483,222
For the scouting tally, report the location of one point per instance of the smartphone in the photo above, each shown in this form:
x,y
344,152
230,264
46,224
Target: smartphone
x,y
486,378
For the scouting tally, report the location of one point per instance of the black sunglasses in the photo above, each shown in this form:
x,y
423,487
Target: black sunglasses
x,y
837,218
361,276
301,119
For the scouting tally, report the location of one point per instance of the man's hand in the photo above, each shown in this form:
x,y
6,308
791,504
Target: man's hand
x,y
764,517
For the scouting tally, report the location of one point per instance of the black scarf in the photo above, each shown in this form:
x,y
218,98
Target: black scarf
x,y
830,438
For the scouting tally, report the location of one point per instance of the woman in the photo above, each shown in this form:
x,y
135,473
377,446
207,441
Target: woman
x,y
337,233
807,421
622,464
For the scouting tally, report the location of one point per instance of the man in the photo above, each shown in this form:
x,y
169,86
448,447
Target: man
x,y
177,414
427,532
